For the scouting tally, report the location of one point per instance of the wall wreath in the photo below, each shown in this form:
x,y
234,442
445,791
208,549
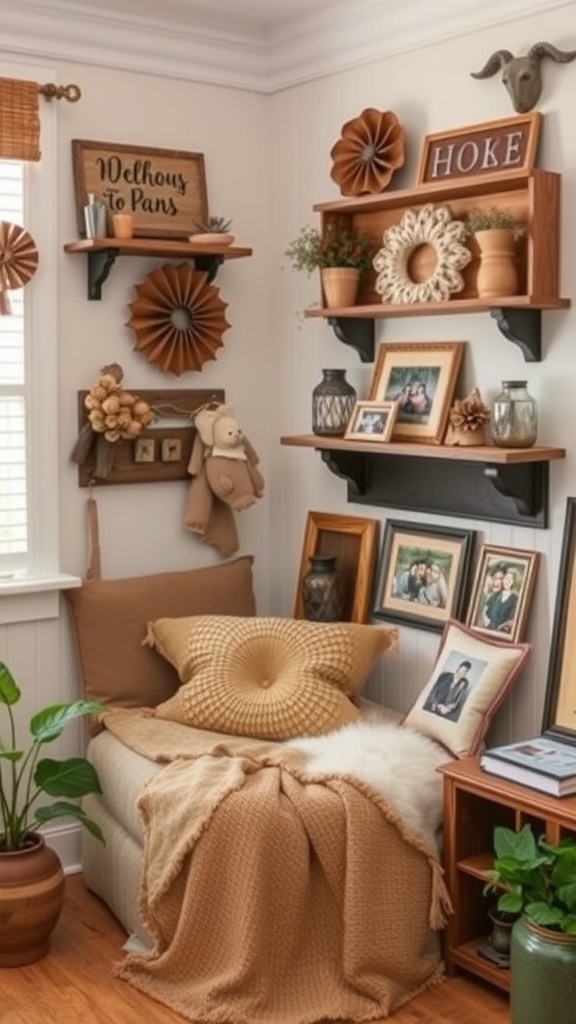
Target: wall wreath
x,y
178,318
18,261
432,226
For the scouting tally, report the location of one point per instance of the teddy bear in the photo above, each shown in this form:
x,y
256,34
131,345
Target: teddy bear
x,y
230,461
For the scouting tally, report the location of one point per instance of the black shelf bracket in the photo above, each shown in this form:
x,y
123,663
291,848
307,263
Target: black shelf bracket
x,y
524,328
515,493
356,332
100,264
101,261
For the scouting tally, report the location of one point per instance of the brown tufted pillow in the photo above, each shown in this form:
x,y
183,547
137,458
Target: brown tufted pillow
x,y
109,619
270,678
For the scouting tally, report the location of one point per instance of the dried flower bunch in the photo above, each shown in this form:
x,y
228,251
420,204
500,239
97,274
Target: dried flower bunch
x,y
469,413
338,246
494,217
370,149
114,412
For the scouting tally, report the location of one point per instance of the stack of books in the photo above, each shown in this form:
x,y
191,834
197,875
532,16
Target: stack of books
x,y
542,763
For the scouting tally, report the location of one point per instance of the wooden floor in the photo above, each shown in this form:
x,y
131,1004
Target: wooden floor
x,y
73,984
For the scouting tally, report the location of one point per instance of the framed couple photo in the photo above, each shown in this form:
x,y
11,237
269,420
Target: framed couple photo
x,y
420,377
502,591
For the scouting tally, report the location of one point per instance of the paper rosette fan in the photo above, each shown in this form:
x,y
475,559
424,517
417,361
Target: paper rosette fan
x,y
368,152
178,318
18,261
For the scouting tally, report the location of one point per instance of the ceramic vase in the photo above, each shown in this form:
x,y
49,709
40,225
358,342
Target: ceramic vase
x,y
497,273
542,975
322,590
333,401
31,898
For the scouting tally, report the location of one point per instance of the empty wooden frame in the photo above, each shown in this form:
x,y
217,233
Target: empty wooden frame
x,y
352,540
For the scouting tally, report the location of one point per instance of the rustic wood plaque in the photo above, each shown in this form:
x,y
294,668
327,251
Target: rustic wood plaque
x,y
480,149
163,189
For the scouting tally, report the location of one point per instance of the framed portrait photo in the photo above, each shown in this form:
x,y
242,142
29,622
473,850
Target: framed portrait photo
x,y
421,378
559,718
502,591
422,574
372,421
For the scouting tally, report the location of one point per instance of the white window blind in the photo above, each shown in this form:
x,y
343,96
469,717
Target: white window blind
x,y
13,482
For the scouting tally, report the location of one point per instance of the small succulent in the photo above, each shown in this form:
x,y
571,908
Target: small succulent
x,y
214,226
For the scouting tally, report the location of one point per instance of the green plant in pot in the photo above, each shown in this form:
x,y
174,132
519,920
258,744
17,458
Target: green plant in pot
x,y
493,218
338,253
537,881
30,908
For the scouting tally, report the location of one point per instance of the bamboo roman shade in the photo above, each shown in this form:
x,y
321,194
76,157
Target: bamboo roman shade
x,y
19,120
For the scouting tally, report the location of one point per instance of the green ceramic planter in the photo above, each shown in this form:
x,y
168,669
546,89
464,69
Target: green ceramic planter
x,y
542,975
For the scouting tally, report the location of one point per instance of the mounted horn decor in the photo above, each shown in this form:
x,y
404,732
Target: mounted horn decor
x,y
521,75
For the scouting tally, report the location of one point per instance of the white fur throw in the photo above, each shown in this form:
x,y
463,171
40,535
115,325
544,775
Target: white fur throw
x,y
395,761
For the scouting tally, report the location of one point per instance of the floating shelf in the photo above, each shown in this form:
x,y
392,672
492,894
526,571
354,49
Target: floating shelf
x,y
507,485
103,252
533,196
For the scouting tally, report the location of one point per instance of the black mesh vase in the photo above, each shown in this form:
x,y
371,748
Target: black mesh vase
x,y
322,592
333,400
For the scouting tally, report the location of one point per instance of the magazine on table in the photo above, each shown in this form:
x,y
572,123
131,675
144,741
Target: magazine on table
x,y
542,763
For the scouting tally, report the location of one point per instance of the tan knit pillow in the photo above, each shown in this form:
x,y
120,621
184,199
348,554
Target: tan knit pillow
x,y
270,678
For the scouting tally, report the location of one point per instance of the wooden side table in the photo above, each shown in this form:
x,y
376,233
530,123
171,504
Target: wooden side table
x,y
474,802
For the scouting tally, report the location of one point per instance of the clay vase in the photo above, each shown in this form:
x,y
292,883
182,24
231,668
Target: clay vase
x,y
542,975
31,899
497,274
340,286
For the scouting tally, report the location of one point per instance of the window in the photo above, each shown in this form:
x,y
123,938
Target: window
x,y
29,466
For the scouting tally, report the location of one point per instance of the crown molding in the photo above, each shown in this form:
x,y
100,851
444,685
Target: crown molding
x,y
195,43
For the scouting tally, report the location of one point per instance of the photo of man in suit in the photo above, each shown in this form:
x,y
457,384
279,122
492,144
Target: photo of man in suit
x,y
449,693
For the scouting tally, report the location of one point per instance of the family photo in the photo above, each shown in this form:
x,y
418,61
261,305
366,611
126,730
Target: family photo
x,y
501,592
422,577
414,388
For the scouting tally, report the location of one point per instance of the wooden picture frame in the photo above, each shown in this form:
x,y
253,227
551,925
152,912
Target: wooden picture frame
x,y
501,592
421,377
372,421
559,718
352,540
163,189
478,150
422,574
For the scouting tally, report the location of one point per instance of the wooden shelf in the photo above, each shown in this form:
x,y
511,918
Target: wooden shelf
x,y
474,803
508,485
103,252
533,196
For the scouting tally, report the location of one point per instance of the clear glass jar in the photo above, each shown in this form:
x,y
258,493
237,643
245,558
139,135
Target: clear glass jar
x,y
333,401
514,420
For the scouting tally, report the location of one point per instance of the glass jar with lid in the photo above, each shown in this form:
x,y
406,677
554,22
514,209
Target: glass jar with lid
x,y
514,420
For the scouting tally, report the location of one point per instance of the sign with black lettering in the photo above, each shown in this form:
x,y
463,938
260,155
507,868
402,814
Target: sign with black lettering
x,y
163,189
480,149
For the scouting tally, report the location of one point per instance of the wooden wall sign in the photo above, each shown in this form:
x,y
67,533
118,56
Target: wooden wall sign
x,y
480,149
163,189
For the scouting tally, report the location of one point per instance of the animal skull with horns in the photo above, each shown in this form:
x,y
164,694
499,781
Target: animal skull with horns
x,y
521,75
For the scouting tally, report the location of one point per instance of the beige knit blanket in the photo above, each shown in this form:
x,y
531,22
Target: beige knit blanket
x,y
274,897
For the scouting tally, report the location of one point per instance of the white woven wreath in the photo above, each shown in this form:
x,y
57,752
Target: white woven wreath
x,y
427,226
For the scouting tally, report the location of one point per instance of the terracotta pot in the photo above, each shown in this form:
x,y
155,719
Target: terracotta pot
x,y
31,898
497,273
340,286
211,238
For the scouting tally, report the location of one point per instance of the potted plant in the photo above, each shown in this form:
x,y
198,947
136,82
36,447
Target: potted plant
x,y
496,231
338,253
537,882
31,876
214,231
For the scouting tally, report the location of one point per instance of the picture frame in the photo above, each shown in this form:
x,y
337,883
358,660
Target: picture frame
x,y
421,377
163,189
422,574
559,716
501,592
352,540
371,421
478,150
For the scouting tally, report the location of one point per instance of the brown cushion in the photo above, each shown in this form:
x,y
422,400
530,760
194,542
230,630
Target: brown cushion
x,y
271,678
458,715
109,621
